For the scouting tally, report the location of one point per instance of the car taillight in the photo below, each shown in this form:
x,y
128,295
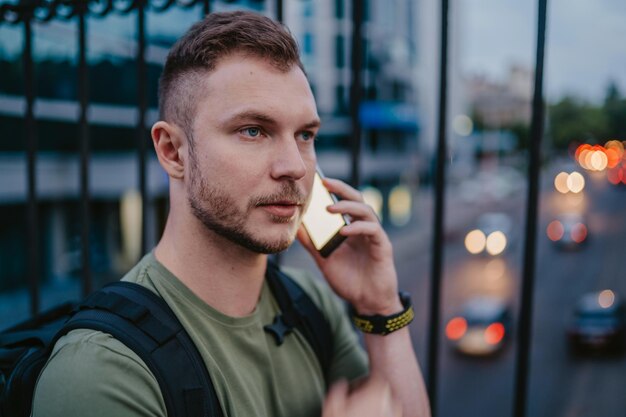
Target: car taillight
x,y
456,328
494,333
555,230
579,233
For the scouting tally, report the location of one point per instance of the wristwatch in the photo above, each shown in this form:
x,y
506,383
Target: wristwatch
x,y
383,325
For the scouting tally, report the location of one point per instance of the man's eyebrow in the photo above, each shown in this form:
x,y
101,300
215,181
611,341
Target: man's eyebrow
x,y
314,124
266,119
251,115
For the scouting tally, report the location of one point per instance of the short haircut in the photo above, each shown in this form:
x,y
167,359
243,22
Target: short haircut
x,y
198,52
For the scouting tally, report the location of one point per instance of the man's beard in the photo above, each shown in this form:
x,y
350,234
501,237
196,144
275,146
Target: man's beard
x,y
219,213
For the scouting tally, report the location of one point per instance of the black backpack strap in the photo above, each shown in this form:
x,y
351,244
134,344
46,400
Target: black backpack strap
x,y
143,322
300,312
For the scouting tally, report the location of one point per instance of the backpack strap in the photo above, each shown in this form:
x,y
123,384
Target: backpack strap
x,y
300,312
143,322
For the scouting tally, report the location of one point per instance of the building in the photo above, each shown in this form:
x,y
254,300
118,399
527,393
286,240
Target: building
x,y
393,73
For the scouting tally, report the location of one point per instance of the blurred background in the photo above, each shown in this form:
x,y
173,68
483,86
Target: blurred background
x,y
76,213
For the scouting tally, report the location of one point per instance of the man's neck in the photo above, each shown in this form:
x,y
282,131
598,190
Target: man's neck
x,y
225,275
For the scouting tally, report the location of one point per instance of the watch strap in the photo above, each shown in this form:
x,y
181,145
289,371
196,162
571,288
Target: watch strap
x,y
383,325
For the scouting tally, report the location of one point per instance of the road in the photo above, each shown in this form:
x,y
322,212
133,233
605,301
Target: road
x,y
559,384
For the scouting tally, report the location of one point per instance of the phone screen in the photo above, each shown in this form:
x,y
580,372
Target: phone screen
x,y
323,227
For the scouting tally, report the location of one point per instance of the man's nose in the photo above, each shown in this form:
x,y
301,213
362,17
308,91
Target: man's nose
x,y
287,161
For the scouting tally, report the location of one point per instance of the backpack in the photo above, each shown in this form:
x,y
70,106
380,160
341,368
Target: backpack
x,y
144,322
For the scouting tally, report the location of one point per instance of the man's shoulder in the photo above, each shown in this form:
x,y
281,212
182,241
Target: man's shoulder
x,y
88,369
140,272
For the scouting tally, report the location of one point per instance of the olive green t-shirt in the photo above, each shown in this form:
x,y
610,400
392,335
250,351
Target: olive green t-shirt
x,y
92,374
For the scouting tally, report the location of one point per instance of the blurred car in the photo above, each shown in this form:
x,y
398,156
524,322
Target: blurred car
x,y
598,324
568,231
482,327
491,236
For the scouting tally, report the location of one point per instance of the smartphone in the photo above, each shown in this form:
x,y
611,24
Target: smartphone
x,y
322,226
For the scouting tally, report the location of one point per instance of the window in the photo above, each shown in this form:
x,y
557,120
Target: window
x,y
340,56
307,43
339,9
341,104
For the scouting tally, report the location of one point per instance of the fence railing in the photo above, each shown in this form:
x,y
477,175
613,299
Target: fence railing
x,y
25,13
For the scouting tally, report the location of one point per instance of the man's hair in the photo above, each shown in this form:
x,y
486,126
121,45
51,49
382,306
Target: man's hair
x,y
198,52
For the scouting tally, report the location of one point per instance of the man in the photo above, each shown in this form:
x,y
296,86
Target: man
x,y
236,137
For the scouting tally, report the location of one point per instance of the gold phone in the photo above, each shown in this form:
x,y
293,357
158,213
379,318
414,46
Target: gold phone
x,y
322,226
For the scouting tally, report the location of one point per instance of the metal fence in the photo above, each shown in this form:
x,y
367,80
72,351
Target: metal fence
x,y
26,12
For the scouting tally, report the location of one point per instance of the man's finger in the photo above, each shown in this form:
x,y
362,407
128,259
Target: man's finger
x,y
354,209
342,189
335,402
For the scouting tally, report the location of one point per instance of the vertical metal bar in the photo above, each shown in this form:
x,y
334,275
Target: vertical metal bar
x,y
279,10
206,7
83,97
32,145
437,247
142,105
356,90
278,258
532,203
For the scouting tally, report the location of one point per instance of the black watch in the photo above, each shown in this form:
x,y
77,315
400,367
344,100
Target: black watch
x,y
384,325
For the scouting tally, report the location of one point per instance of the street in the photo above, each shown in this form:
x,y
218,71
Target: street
x,y
560,385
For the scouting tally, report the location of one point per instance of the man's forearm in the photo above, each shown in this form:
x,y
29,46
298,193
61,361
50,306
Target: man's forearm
x,y
392,357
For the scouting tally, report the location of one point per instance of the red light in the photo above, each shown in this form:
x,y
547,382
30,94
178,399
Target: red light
x,y
617,174
613,157
614,176
579,233
494,333
456,328
555,230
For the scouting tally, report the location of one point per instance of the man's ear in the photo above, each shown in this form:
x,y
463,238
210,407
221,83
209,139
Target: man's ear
x,y
170,144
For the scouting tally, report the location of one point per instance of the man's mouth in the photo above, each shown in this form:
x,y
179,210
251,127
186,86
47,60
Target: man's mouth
x,y
281,208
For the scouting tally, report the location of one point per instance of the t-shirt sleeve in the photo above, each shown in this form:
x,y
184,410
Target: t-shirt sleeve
x,y
90,373
349,357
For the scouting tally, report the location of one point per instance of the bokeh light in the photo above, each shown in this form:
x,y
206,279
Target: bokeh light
x,y
475,241
579,233
617,175
560,182
463,125
496,243
374,199
606,298
598,161
575,182
400,203
555,231
600,158
456,328
494,333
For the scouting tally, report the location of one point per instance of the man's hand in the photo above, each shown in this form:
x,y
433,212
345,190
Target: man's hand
x,y
361,269
371,398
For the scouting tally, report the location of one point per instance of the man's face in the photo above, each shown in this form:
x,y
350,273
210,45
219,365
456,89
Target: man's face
x,y
252,162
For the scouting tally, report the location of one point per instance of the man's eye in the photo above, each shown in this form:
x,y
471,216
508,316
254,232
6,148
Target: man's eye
x,y
253,132
307,136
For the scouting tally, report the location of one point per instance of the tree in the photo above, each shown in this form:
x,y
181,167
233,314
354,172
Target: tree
x,y
572,119
615,110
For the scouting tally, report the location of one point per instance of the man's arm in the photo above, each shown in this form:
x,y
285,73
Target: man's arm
x,y
362,272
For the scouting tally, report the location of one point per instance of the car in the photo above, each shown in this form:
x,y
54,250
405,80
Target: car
x,y
598,324
491,236
568,231
482,327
